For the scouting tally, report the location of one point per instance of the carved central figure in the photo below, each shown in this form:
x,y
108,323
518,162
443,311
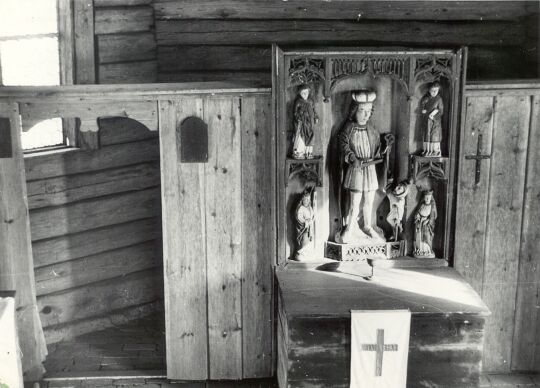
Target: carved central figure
x,y
359,145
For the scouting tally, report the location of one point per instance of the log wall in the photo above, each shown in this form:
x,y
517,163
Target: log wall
x,y
217,40
498,232
180,41
95,222
125,41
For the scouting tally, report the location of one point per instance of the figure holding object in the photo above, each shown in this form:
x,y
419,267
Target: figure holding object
x,y
359,145
432,109
424,226
305,119
304,222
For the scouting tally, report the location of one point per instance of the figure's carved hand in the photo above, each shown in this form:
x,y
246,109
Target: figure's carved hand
x,y
358,163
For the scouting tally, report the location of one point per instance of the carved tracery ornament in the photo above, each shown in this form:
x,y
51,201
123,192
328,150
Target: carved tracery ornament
x,y
306,71
432,68
394,67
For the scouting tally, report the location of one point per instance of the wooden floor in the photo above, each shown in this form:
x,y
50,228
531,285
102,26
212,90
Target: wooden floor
x,y
137,346
509,381
487,381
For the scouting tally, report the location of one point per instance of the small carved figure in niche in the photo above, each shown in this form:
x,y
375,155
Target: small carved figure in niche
x,y
432,110
305,118
359,145
397,196
424,226
304,220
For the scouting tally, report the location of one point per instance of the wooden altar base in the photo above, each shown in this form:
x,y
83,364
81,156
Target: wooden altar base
x,y
447,326
361,252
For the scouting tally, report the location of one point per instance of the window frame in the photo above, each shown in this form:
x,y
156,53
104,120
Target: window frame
x,y
64,35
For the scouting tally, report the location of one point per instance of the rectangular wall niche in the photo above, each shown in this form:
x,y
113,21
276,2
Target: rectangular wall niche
x,y
192,138
6,149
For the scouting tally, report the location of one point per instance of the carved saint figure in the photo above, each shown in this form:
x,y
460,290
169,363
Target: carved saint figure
x,y
432,110
305,118
359,145
424,226
397,207
304,220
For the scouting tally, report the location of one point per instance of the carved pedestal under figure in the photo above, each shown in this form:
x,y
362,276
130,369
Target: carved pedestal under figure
x,y
424,227
359,145
432,110
304,119
304,219
397,207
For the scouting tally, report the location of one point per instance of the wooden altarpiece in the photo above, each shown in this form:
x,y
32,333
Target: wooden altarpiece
x,y
317,291
401,78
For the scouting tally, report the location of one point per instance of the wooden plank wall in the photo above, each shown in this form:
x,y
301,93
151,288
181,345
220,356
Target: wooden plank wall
x,y
15,247
498,233
225,40
219,240
95,222
125,41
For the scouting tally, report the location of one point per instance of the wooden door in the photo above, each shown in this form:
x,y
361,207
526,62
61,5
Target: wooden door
x,y
498,208
219,239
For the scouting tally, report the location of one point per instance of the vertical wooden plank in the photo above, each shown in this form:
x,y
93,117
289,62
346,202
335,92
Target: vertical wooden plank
x,y
16,263
83,20
66,48
184,249
224,238
526,344
505,205
258,227
66,41
472,199
85,61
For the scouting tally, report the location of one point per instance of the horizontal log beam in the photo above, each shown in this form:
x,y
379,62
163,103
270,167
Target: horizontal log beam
x,y
123,93
123,19
101,298
344,9
71,188
253,63
67,331
262,78
208,58
96,213
128,72
115,48
108,265
92,242
362,33
120,3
